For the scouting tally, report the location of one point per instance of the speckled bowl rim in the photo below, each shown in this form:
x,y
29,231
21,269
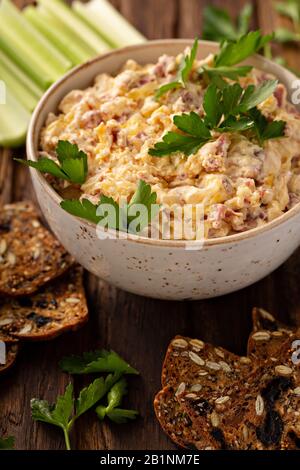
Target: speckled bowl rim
x,y
32,152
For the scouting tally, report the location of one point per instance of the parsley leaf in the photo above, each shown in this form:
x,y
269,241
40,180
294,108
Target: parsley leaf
x,y
44,165
212,105
90,395
228,72
232,124
173,142
225,111
84,209
7,443
128,217
149,208
265,129
62,414
254,96
183,72
188,62
167,87
121,416
95,362
73,163
192,124
231,97
234,52
198,135
114,399
218,25
58,414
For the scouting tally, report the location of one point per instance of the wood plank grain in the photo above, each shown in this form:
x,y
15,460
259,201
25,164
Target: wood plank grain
x,y
156,19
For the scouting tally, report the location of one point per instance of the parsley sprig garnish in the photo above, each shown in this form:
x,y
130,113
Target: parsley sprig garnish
x,y
72,166
225,63
124,216
96,362
232,53
66,410
183,73
114,400
264,129
231,109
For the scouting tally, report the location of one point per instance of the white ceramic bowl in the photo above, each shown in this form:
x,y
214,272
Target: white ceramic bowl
x,y
158,268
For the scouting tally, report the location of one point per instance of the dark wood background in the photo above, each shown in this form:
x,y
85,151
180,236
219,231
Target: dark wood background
x,y
138,328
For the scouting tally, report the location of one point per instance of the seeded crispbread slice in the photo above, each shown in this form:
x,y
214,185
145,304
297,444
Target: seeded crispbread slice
x,y
175,422
193,362
191,365
30,256
267,336
12,350
55,308
259,412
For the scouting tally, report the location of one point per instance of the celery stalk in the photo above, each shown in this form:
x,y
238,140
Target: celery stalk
x,y
61,26
23,95
108,22
10,47
75,24
20,75
56,35
49,57
14,121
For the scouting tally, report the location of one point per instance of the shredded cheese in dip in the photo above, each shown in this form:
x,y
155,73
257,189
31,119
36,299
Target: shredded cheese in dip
x,y
117,120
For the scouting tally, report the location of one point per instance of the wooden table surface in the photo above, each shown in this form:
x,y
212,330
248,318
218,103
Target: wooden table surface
x,y
138,328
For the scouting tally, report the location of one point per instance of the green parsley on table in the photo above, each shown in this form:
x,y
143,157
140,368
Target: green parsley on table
x,y
114,400
7,443
125,215
67,410
183,72
73,163
96,362
231,109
